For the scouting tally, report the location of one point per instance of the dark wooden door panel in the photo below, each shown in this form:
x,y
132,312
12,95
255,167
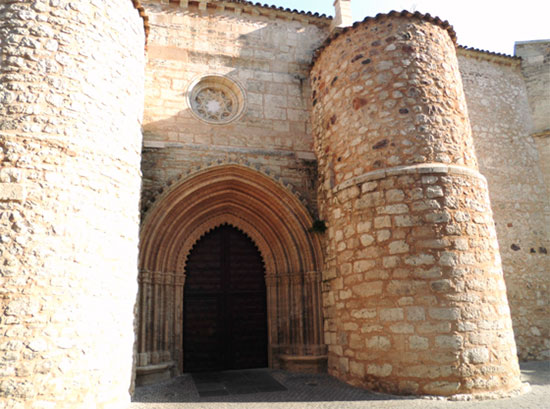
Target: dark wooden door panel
x,y
225,321
206,265
203,337
249,342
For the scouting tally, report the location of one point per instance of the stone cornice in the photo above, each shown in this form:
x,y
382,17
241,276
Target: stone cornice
x,y
427,168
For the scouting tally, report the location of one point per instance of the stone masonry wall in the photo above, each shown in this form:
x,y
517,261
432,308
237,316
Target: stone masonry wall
x,y
536,71
71,92
535,66
268,56
414,299
499,113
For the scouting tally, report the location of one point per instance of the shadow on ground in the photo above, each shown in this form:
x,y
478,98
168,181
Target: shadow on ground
x,y
258,385
536,373
266,385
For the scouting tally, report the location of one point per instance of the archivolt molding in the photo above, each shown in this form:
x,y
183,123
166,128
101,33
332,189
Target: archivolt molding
x,y
187,242
191,172
248,199
276,221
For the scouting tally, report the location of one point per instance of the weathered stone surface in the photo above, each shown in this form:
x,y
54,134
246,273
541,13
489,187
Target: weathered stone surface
x,y
435,249
506,142
12,192
71,92
411,275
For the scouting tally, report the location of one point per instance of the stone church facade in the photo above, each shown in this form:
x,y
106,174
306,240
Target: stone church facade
x,y
266,187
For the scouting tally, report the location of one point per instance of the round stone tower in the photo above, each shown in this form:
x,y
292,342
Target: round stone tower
x,y
415,301
71,93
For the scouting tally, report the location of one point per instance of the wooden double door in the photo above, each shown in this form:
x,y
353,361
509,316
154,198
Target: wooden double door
x,y
225,309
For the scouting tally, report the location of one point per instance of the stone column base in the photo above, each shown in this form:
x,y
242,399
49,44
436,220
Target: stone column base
x,y
304,363
150,374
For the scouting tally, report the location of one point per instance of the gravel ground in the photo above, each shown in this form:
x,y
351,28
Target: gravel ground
x,y
324,392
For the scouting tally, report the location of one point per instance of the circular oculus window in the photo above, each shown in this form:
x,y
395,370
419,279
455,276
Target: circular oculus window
x,y
216,99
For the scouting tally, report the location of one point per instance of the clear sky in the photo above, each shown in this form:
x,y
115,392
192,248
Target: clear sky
x,y
492,25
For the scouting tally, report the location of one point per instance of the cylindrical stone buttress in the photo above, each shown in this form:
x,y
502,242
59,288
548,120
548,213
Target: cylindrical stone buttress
x,y
414,301
71,93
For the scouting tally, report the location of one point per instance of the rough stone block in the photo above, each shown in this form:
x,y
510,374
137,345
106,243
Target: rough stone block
x,y
12,192
392,314
368,289
379,370
378,342
418,343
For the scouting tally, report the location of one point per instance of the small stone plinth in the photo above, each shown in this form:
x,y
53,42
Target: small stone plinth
x,y
303,363
151,374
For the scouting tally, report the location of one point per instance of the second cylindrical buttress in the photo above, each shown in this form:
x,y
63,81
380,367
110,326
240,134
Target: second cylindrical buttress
x,y
414,300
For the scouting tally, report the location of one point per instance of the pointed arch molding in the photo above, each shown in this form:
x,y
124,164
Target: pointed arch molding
x,y
273,218
261,207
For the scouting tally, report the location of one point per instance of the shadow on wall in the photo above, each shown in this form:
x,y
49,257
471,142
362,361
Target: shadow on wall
x,y
192,120
272,134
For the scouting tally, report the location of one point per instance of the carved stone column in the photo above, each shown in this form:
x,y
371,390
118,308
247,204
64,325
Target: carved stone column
x,y
272,320
305,352
160,333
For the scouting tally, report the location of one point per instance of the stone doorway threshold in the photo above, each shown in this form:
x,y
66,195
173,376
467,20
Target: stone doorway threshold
x,y
236,382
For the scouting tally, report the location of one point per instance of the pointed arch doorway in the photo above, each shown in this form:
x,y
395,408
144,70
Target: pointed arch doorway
x,y
225,310
275,220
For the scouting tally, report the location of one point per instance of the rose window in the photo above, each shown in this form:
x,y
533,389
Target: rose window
x,y
213,105
216,99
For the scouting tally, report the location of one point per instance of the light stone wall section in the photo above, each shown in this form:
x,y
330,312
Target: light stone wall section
x,y
268,55
415,300
535,66
536,70
71,92
543,145
499,113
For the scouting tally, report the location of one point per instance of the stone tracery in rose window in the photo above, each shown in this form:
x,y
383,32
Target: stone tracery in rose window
x,y
216,99
213,104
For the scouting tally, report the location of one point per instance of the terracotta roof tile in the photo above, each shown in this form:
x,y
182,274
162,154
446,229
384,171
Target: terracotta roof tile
x,y
488,53
144,16
287,10
406,14
336,34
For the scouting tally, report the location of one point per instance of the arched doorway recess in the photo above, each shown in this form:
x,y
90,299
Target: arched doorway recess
x,y
224,308
275,220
